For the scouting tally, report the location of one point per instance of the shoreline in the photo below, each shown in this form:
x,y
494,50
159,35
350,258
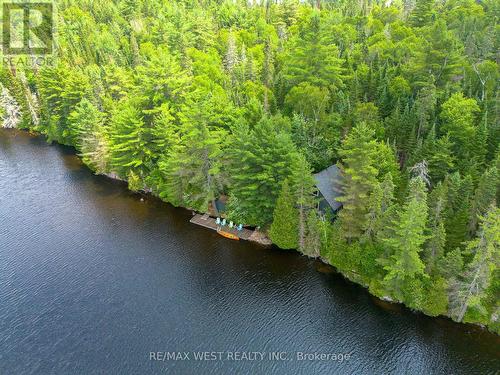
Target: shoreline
x,y
148,191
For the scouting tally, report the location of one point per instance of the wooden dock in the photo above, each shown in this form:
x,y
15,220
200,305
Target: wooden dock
x,y
245,234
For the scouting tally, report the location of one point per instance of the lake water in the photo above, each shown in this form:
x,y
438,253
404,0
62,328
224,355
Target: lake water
x,y
92,280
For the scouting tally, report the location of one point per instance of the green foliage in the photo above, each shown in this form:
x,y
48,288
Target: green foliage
x,y
308,101
83,120
459,192
91,138
260,159
435,300
484,197
197,100
127,142
423,12
303,190
61,91
359,154
192,169
439,156
315,140
134,182
452,264
368,114
312,239
437,57
311,57
458,116
284,230
234,211
404,265
381,209
467,297
434,249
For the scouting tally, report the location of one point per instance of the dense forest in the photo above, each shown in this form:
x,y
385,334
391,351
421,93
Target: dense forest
x,y
197,99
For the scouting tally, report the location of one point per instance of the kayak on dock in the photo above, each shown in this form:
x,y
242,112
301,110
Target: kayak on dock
x,y
238,232
228,235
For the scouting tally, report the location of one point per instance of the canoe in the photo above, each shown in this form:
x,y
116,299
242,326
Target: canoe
x,y
228,235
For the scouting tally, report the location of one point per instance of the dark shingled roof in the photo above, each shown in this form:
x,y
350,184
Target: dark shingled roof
x,y
329,184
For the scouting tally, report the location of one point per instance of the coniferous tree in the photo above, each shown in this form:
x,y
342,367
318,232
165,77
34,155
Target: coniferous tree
x,y
260,160
303,189
404,266
437,58
421,14
312,58
126,137
434,249
90,135
84,119
435,297
484,197
452,265
458,116
312,240
360,178
284,230
381,208
457,214
469,289
437,152
194,100
193,168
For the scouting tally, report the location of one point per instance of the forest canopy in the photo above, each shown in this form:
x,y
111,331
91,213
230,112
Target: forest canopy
x,y
195,100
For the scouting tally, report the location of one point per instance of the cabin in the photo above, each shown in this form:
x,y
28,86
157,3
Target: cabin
x,y
220,206
329,184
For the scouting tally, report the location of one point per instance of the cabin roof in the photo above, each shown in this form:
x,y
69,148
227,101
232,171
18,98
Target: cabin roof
x,y
328,182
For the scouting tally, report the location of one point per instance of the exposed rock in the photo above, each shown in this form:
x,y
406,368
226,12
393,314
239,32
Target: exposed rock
x,y
260,238
114,176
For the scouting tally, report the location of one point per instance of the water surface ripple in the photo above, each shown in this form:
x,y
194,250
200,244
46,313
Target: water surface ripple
x,y
92,280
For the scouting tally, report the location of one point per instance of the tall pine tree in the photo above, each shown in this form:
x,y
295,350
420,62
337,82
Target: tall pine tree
x,y
358,152
284,230
404,266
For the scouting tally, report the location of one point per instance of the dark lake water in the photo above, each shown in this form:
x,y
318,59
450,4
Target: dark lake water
x,y
92,280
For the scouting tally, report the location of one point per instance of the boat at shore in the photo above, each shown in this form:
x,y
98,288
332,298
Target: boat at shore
x,y
231,236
